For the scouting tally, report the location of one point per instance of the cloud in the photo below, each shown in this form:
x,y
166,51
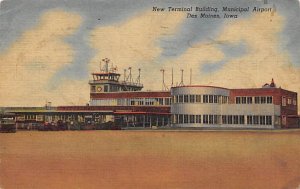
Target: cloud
x,y
29,63
134,41
264,58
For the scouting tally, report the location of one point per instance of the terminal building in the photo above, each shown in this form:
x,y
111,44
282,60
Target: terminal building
x,y
123,103
268,107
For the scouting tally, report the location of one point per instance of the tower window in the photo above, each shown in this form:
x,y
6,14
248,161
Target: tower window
x,y
93,89
105,88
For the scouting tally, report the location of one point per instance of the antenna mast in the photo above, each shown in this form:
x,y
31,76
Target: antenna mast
x,y
138,80
124,75
181,82
106,60
172,79
130,76
191,76
164,87
100,66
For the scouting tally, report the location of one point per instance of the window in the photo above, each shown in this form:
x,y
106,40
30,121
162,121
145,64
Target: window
x,y
255,120
180,119
263,100
283,101
93,88
205,98
167,101
192,98
180,98
205,119
211,119
198,118
224,99
105,88
161,101
175,99
132,103
249,100
289,101
244,100
186,118
257,100
237,100
198,98
158,101
210,98
149,101
186,98
215,99
262,120
230,119
192,118
235,119
294,102
219,99
268,120
249,120
269,100
215,119
224,119
283,120
241,119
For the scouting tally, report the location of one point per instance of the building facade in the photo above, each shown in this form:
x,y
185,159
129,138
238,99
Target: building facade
x,y
215,107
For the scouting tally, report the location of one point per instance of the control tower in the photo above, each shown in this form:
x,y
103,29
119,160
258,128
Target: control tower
x,y
108,80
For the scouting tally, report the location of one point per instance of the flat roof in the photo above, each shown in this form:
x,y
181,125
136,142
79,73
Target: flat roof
x,y
200,86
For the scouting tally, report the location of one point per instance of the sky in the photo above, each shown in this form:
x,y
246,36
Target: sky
x,y
48,48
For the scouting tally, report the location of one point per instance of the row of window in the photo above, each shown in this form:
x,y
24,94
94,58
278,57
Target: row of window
x,y
41,117
132,102
110,88
222,119
200,99
257,100
289,101
261,120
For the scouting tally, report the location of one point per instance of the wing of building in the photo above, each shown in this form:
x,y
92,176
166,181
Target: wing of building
x,y
216,107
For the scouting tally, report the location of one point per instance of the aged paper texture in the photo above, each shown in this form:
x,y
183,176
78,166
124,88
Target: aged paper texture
x,y
149,94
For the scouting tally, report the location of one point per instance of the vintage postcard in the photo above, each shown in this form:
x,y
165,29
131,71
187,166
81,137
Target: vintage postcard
x,y
149,94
